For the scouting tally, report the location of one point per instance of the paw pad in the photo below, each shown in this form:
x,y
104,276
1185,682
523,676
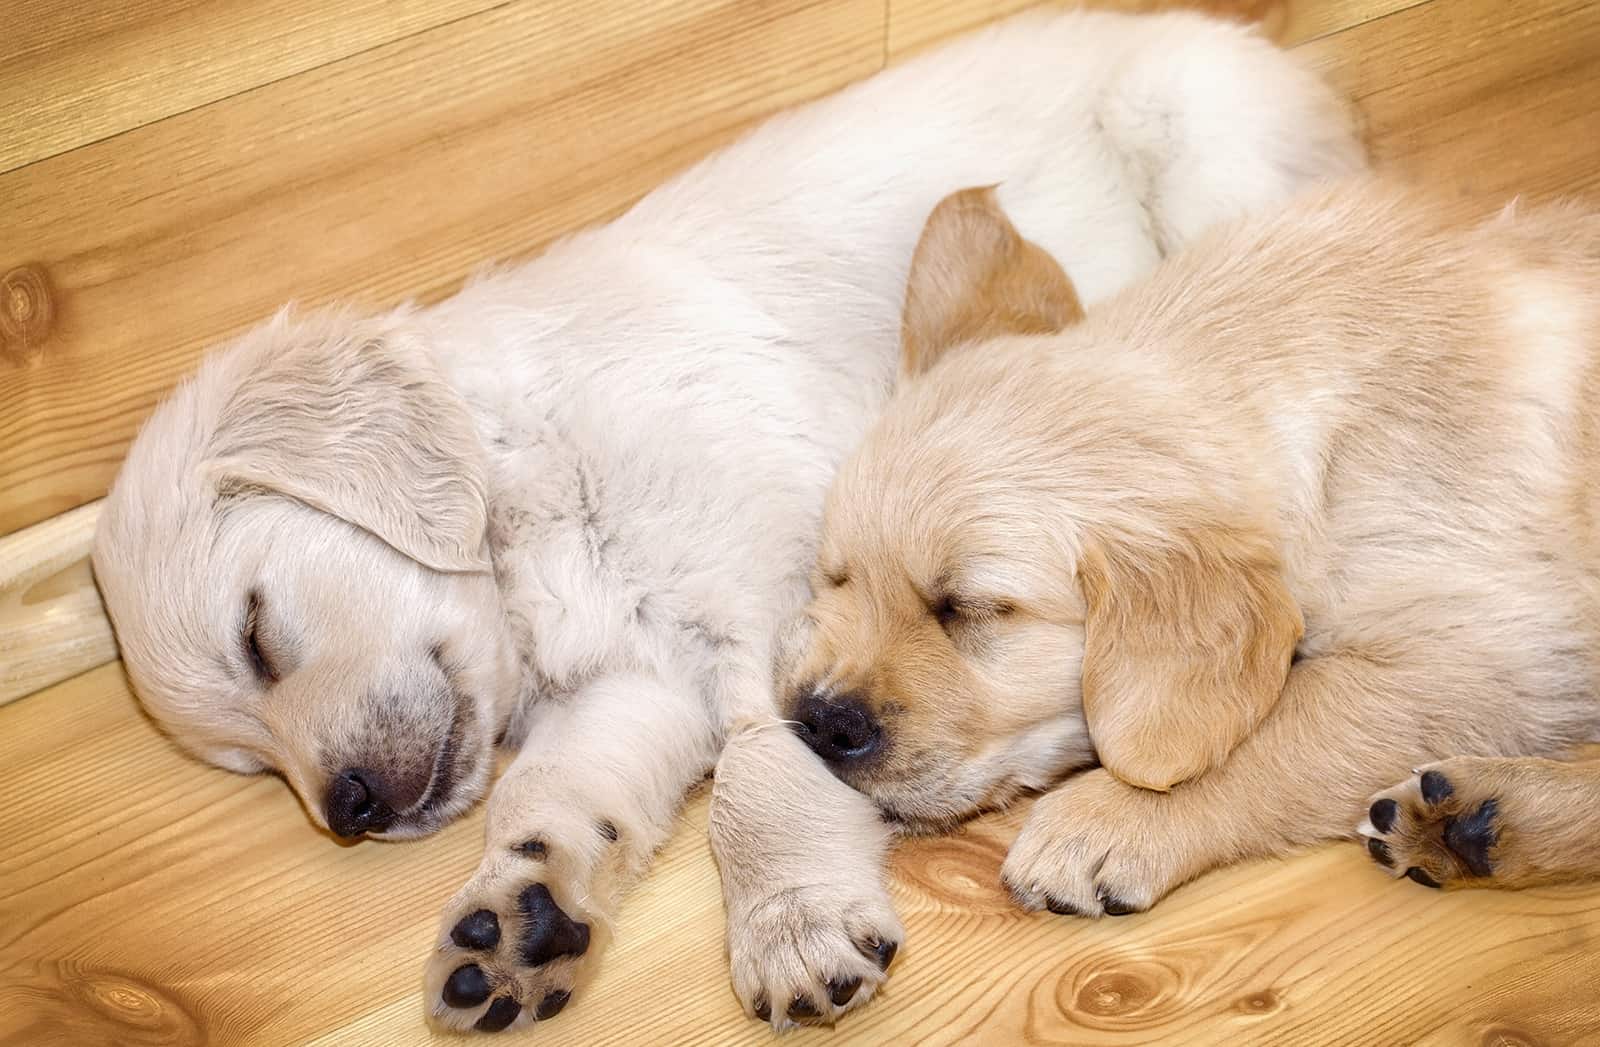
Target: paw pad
x,y
467,987
501,1013
479,930
502,960
549,932
1432,830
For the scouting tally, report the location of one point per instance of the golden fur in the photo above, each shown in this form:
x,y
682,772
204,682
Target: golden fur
x,y
1311,508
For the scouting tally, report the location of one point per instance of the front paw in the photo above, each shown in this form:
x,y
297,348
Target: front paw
x,y
1094,847
810,954
513,944
1440,826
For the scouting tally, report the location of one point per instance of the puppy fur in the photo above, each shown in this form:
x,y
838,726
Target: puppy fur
x,y
569,507
1312,507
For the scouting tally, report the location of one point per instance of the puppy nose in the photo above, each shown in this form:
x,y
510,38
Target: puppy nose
x,y
355,804
838,729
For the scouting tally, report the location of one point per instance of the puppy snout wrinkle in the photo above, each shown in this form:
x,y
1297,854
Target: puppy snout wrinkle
x,y
356,804
838,729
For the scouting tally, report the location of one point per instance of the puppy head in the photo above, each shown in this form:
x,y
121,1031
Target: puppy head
x,y
935,669
1009,582
293,558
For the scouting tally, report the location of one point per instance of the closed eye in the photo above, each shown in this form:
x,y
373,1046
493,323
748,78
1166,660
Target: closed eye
x,y
255,653
952,612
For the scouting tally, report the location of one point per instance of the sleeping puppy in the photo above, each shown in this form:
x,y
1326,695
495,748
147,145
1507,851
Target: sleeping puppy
x,y
1312,507
567,509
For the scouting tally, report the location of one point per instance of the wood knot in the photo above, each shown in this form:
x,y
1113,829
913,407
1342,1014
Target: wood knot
x,y
86,1005
1265,1001
1114,994
961,871
27,308
1506,1036
1127,993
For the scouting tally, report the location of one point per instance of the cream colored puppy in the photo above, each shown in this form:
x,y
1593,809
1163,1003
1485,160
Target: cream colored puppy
x,y
567,509
1314,506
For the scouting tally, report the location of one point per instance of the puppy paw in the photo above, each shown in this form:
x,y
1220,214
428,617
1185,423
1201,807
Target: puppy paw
x,y
513,945
810,954
1440,826
1095,847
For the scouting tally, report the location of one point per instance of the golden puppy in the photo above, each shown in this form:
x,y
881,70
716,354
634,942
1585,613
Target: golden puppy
x,y
1313,507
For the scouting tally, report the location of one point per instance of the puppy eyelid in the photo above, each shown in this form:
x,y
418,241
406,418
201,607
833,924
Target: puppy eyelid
x,y
260,664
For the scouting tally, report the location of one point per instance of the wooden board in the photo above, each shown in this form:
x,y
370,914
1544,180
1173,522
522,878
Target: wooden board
x,y
915,24
1489,100
73,73
52,623
392,173
147,900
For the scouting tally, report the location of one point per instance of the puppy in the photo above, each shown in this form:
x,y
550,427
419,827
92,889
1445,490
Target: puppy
x,y
567,509
1312,507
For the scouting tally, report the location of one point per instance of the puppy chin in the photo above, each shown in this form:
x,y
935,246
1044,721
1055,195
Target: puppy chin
x,y
924,812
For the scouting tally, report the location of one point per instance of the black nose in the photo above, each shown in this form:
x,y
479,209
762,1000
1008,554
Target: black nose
x,y
355,804
839,728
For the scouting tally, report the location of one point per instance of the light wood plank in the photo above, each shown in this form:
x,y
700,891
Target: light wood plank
x,y
917,24
390,174
146,899
52,624
74,73
1486,100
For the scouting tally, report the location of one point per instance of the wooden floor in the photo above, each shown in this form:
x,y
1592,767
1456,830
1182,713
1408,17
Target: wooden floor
x,y
176,170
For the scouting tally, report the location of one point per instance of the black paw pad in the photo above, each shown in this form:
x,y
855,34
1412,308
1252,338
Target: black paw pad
x,y
1382,815
1061,908
479,930
501,1013
842,992
549,932
763,1009
1114,906
1380,853
879,952
466,987
1470,838
802,1007
1416,875
551,1005
1435,787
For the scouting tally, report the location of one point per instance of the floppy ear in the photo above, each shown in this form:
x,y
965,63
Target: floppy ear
x,y
1187,646
360,425
974,277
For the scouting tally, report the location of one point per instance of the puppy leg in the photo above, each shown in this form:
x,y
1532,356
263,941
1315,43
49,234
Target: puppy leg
x,y
811,929
1346,725
573,822
1489,822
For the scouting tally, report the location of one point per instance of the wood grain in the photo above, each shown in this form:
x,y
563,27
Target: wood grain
x,y
74,73
52,623
917,24
392,173
1482,99
146,899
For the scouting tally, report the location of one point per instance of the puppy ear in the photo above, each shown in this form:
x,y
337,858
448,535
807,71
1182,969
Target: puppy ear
x,y
360,425
974,277
1187,646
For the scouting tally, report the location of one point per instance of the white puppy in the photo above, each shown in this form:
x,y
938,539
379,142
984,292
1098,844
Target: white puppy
x,y
567,509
